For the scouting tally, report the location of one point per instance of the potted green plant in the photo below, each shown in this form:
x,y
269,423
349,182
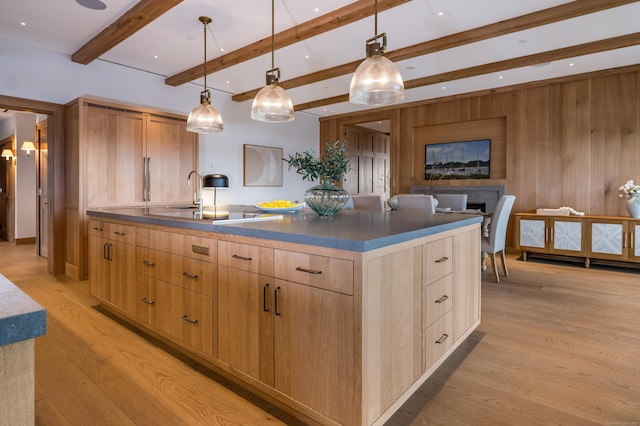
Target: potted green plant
x,y
326,199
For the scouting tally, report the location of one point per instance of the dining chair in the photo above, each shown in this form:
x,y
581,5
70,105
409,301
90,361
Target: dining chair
x,y
372,203
454,202
416,202
495,242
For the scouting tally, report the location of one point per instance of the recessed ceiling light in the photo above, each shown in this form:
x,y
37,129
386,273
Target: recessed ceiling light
x,y
222,49
543,64
92,4
410,67
24,24
500,77
444,87
522,41
440,13
155,56
306,56
571,64
316,9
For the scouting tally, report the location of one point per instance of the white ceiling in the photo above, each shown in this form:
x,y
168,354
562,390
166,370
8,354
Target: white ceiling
x,y
176,38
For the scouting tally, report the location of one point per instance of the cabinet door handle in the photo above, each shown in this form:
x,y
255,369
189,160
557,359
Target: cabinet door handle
x,y
443,299
442,259
264,297
188,275
187,319
275,300
308,271
148,178
147,301
105,251
118,233
149,264
97,228
442,338
237,256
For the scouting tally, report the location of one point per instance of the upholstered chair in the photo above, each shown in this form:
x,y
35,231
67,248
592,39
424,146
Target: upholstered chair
x,y
422,202
371,203
495,243
454,202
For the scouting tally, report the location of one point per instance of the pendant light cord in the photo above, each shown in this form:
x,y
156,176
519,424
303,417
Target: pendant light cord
x,y
375,19
273,37
205,55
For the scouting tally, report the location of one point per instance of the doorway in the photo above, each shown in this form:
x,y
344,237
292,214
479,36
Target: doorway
x,y
54,175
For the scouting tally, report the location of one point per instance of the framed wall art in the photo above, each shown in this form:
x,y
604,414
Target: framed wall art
x,y
262,165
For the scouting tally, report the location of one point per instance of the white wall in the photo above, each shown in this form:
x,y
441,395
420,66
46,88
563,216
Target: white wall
x,y
25,190
33,73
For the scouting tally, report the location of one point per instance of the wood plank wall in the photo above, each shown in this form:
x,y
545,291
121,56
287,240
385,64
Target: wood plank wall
x,y
570,142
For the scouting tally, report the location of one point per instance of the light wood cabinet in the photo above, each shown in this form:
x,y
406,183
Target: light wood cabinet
x,y
112,268
117,155
292,336
342,337
175,285
590,237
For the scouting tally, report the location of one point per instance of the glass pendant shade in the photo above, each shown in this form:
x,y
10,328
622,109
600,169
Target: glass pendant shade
x,y
376,81
273,105
204,118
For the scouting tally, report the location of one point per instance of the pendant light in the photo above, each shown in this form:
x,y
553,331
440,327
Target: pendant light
x,y
272,104
376,81
204,118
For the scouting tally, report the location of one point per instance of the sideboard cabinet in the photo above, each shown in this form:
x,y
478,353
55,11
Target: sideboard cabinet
x,y
117,156
589,237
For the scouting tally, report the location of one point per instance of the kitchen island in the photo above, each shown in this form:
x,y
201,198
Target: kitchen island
x,y
335,319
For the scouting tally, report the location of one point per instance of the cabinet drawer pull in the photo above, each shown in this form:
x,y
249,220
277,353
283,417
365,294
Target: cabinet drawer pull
x,y
121,234
264,297
187,319
149,264
442,338
308,271
97,228
442,259
147,301
443,299
237,256
188,275
275,300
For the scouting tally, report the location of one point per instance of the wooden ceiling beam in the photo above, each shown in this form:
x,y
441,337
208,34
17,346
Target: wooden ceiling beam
x,y
523,61
520,23
346,15
143,13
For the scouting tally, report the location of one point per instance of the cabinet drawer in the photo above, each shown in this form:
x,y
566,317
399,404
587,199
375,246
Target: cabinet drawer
x,y
438,338
112,231
246,257
191,274
318,271
438,299
438,259
184,245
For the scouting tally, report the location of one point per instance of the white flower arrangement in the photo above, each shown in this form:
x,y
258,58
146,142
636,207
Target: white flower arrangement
x,y
629,190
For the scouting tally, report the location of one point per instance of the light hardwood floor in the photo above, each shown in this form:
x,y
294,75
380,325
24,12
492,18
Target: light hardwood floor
x,y
558,344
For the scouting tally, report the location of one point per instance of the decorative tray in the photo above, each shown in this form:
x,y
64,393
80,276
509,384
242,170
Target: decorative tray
x,y
291,209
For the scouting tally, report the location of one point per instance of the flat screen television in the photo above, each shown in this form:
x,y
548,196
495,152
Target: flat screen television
x,y
458,160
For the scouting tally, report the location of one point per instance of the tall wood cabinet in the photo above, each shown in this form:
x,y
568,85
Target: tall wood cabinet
x,y
116,156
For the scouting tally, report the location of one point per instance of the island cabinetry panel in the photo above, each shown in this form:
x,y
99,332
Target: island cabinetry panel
x,y
175,286
119,155
294,337
113,250
466,284
438,300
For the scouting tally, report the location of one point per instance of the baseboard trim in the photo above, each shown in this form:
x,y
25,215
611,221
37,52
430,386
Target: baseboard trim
x,y
21,241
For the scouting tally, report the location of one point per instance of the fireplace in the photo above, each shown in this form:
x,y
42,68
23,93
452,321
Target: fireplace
x,y
489,195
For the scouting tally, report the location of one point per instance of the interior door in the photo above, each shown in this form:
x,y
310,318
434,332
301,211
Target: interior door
x,y
43,189
5,167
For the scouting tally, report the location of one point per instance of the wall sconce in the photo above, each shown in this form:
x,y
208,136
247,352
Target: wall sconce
x,y
7,154
28,146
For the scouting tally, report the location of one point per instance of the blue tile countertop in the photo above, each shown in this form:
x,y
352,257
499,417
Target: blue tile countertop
x,y
351,230
21,318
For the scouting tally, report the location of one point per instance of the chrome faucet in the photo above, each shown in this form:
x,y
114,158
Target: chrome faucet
x,y
197,195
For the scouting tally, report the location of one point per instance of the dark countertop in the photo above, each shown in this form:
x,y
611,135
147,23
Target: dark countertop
x,y
21,318
351,230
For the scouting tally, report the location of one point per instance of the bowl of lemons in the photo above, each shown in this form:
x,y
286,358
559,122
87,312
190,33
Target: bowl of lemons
x,y
278,206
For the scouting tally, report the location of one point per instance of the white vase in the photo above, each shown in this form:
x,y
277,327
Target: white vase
x,y
633,205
